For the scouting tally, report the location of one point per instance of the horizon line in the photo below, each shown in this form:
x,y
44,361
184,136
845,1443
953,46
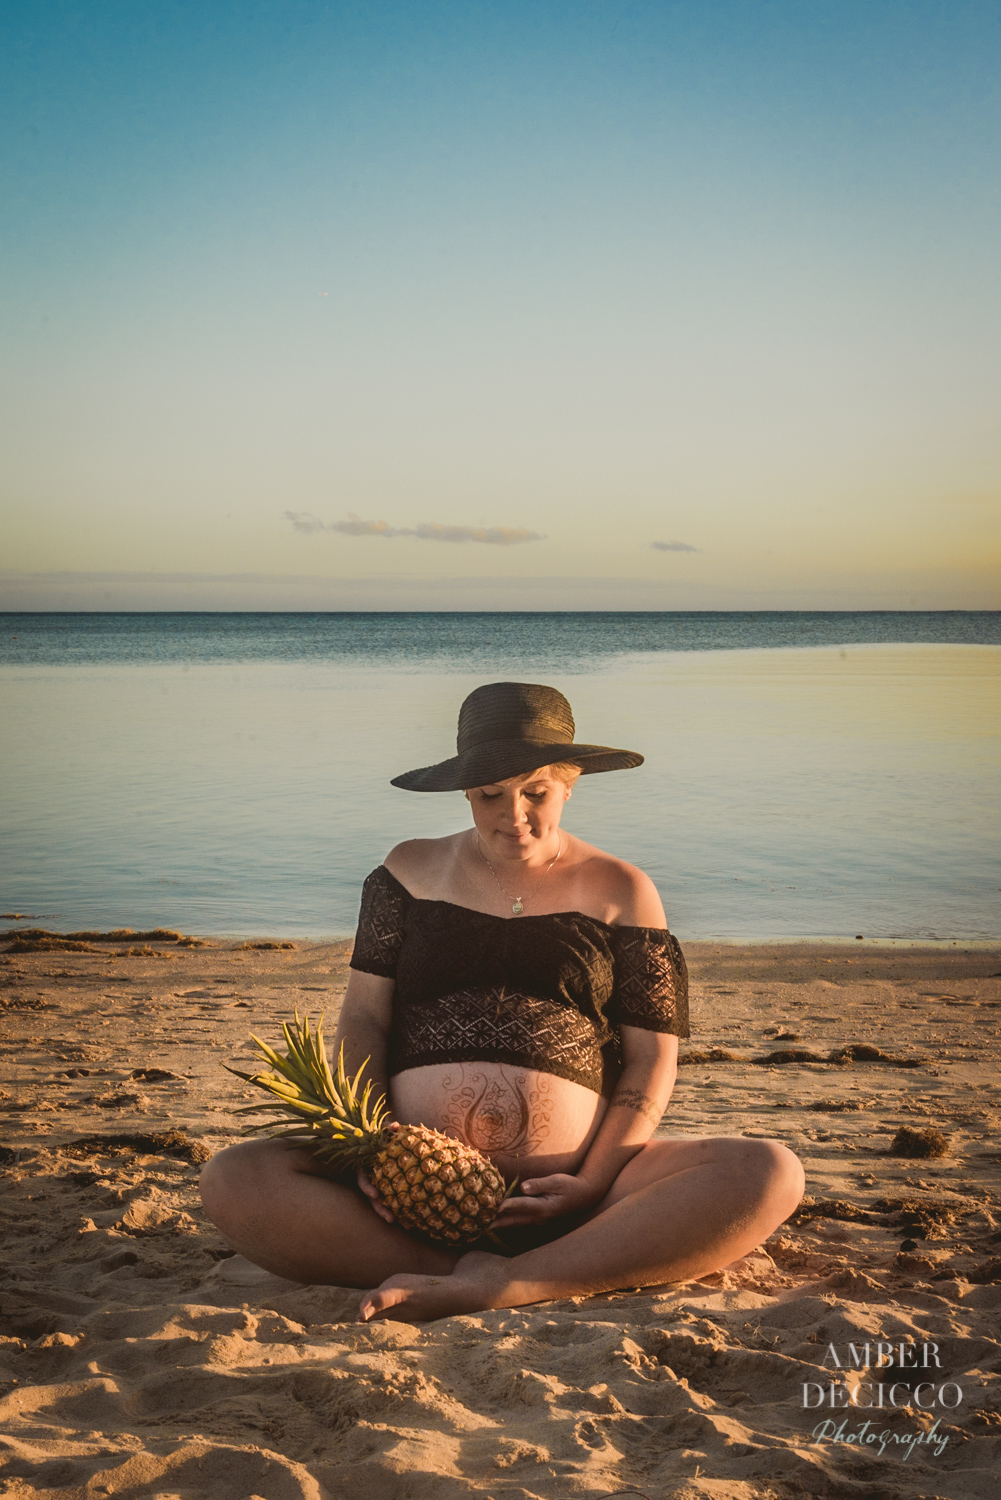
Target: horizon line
x,y
802,610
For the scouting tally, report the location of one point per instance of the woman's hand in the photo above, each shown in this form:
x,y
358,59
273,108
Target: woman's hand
x,y
365,1186
547,1198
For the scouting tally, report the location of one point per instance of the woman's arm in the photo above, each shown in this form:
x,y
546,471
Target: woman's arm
x,y
650,1066
363,1027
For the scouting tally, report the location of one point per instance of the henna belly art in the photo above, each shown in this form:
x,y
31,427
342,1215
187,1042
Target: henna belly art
x,y
635,1100
498,1114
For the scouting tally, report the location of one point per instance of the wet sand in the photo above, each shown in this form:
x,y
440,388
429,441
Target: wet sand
x,y
139,1358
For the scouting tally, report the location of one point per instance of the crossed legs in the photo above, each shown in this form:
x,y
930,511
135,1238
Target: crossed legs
x,y
680,1209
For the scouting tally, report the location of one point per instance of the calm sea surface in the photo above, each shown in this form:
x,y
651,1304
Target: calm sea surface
x,y
807,775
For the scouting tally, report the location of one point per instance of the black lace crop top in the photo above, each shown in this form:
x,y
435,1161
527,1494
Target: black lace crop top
x,y
547,992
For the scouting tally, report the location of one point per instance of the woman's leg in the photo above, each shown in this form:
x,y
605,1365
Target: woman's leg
x,y
678,1210
274,1204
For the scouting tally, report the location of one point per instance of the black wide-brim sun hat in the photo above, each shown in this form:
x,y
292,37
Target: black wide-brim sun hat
x,y
509,729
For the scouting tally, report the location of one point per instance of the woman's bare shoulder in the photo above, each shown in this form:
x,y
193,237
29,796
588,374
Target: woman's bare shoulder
x,y
627,893
419,863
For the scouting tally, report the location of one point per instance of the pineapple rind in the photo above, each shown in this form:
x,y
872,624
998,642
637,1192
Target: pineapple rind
x,y
413,1161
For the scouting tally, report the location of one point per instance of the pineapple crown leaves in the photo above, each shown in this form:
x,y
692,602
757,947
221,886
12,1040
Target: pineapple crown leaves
x,y
304,1090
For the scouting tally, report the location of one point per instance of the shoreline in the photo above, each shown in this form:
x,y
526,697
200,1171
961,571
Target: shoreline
x,y
230,941
139,1355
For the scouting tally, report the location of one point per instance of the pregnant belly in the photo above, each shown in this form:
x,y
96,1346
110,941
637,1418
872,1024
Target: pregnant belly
x,y
528,1123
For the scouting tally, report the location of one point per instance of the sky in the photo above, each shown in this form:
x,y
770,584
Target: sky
x,y
511,305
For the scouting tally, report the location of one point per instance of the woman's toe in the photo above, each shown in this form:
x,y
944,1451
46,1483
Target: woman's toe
x,y
420,1299
394,1293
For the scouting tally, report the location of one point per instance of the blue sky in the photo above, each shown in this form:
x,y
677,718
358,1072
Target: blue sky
x,y
315,305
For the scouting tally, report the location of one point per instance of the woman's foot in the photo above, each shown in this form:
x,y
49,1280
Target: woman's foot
x,y
472,1287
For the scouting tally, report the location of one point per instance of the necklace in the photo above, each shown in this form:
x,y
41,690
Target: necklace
x,y
517,905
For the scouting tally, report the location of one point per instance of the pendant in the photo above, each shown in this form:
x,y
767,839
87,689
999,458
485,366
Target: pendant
x,y
517,908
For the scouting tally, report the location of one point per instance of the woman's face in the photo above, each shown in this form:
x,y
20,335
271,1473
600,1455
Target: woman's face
x,y
517,817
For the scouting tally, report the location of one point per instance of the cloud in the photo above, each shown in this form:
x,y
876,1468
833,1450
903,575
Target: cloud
x,y
425,531
303,521
355,527
494,536
673,547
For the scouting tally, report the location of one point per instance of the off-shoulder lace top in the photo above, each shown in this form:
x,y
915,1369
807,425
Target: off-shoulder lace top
x,y
547,993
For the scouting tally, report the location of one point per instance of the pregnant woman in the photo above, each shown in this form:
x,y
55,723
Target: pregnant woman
x,y
516,988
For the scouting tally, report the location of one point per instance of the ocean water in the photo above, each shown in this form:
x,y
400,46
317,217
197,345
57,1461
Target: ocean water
x,y
466,642
806,775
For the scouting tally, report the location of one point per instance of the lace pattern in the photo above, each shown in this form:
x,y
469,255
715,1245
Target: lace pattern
x,y
507,1026
380,924
651,981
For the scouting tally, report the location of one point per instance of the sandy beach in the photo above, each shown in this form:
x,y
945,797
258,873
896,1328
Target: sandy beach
x,y
138,1357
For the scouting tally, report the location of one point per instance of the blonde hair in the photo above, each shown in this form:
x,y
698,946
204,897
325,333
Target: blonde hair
x,y
560,770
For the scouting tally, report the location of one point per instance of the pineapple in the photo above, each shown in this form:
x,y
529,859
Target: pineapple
x,y
429,1181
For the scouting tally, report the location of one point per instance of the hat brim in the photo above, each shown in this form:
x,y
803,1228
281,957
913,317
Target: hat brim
x,y
496,760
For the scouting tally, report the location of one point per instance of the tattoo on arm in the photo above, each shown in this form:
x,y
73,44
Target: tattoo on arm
x,y
634,1099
